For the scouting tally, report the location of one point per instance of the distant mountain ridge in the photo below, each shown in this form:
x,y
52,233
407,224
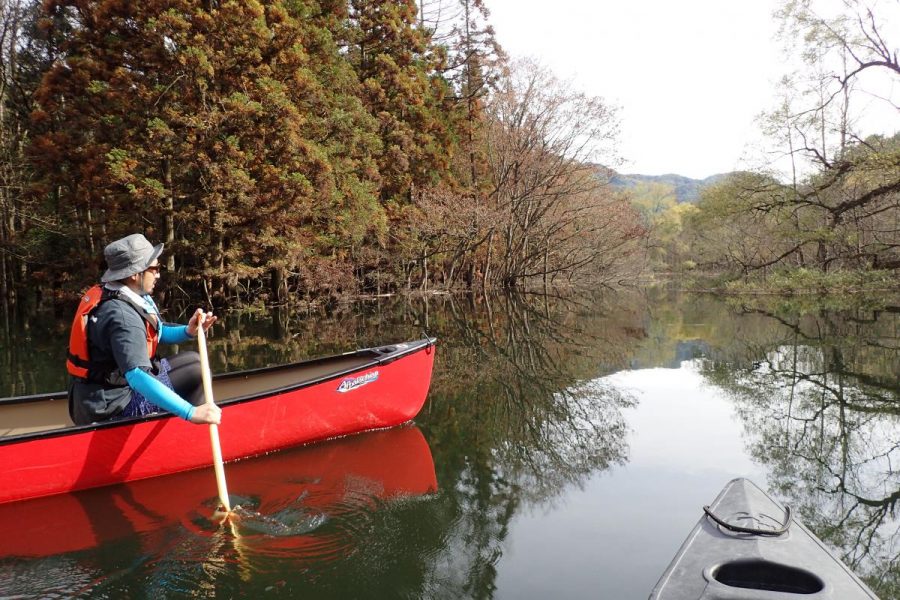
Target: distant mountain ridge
x,y
686,188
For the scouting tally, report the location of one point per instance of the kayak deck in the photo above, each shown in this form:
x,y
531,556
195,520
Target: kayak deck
x,y
748,547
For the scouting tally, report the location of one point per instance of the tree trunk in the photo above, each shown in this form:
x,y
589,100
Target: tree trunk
x,y
4,291
218,258
487,261
169,232
546,261
424,271
279,286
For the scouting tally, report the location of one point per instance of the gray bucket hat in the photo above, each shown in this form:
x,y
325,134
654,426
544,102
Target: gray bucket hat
x,y
130,255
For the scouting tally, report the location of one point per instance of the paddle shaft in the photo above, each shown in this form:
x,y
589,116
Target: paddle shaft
x,y
218,463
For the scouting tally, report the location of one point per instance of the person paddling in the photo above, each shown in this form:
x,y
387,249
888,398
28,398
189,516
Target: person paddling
x,y
112,359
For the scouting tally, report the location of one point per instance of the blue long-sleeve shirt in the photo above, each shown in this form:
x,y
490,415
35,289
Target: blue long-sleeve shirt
x,y
156,392
170,333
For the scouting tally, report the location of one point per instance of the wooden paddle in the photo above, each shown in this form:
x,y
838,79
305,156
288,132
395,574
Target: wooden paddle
x,y
218,464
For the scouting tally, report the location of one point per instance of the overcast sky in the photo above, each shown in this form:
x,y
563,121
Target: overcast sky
x,y
690,76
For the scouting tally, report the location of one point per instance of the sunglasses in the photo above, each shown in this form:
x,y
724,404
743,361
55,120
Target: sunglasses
x,y
154,269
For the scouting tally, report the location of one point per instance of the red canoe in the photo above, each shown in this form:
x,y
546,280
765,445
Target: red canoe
x,y
329,478
263,410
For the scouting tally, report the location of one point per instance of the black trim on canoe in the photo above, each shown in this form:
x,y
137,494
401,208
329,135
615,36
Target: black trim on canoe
x,y
785,525
381,355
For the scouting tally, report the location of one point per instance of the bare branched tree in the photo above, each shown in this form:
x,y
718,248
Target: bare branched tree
x,y
555,213
840,48
840,208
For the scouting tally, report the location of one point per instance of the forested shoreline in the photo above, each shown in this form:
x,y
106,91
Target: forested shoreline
x,y
296,149
819,212
307,149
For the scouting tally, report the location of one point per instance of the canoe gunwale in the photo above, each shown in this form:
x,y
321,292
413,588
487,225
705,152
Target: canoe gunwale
x,y
381,357
33,398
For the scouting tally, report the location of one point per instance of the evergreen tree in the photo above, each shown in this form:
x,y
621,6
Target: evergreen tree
x,y
229,130
397,70
477,63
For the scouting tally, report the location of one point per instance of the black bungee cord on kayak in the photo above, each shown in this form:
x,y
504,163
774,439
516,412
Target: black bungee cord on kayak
x,y
738,529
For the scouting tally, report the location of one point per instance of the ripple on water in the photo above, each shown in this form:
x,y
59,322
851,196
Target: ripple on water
x,y
53,577
63,576
316,526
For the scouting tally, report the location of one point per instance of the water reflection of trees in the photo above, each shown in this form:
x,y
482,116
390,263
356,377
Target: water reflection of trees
x,y
516,416
32,356
519,383
820,398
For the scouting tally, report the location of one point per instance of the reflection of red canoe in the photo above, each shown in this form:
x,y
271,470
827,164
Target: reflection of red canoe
x,y
382,464
42,453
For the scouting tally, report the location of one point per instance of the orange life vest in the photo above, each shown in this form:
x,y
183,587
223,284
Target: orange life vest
x,y
79,361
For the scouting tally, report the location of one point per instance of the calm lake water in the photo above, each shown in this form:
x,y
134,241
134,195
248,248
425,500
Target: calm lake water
x,y
565,450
